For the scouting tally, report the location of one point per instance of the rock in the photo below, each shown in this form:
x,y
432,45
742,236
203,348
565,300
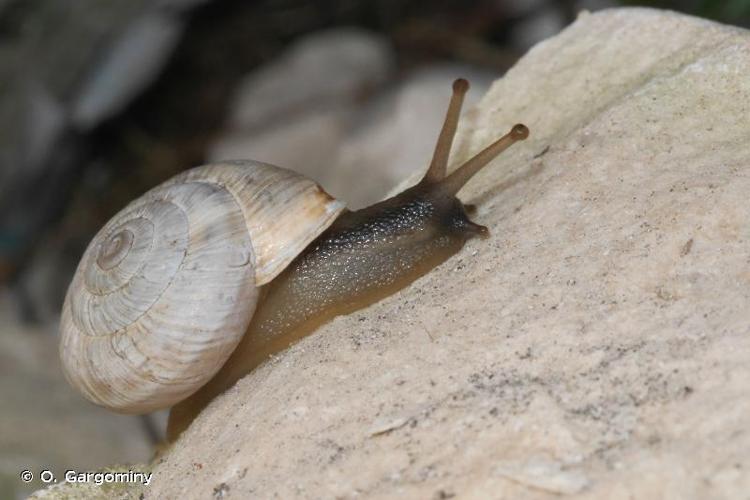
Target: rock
x,y
319,69
305,142
595,345
45,56
298,111
133,62
355,148
65,67
44,423
542,22
46,122
395,135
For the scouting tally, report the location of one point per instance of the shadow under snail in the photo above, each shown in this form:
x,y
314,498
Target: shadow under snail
x,y
198,281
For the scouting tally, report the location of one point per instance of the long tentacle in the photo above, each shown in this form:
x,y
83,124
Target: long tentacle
x,y
439,164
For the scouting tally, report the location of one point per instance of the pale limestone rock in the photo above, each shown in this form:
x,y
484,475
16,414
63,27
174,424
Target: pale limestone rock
x,y
595,346
44,423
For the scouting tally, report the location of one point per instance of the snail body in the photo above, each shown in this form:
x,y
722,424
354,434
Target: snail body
x,y
304,264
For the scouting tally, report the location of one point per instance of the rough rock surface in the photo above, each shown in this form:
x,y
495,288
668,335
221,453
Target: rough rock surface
x,y
44,423
597,345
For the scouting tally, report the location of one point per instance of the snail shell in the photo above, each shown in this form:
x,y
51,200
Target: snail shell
x,y
166,289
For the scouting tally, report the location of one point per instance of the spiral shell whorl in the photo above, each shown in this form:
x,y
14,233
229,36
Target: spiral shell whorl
x,y
284,211
166,289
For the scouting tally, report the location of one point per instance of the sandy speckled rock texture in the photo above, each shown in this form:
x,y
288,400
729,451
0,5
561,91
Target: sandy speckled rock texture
x,y
597,345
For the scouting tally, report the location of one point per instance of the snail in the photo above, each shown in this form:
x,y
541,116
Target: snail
x,y
199,280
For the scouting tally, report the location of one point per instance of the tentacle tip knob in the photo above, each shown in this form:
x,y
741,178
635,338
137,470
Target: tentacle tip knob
x,y
461,85
519,131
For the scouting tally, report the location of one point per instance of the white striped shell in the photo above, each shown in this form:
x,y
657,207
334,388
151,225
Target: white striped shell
x,y
166,289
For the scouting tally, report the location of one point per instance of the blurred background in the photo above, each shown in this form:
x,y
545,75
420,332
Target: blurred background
x,y
100,101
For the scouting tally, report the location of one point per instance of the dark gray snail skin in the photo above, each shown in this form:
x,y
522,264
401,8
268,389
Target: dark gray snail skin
x,y
363,257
